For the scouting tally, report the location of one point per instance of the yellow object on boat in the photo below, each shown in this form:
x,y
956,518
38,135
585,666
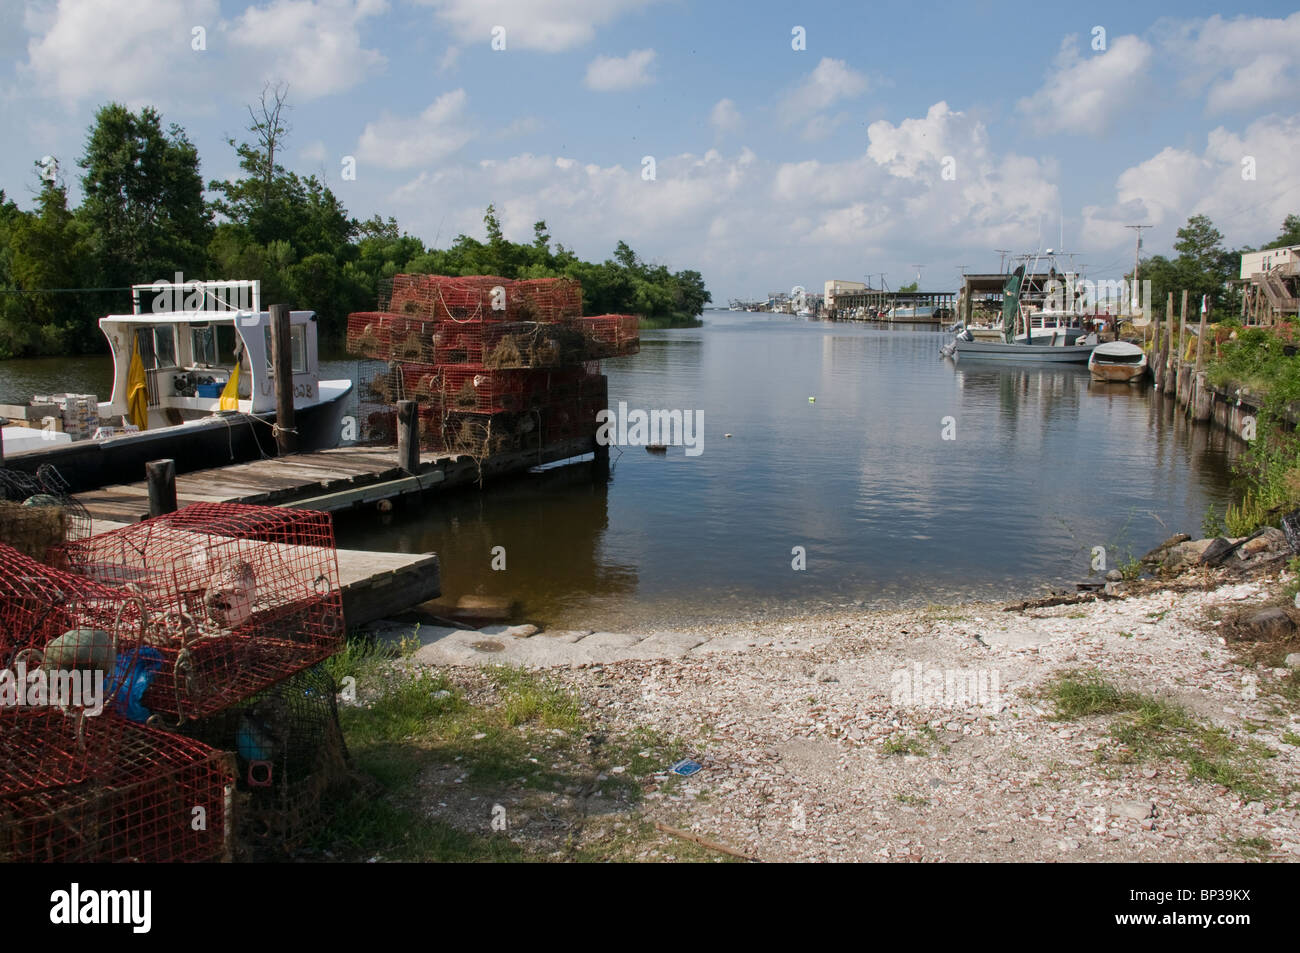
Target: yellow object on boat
x,y
230,394
137,393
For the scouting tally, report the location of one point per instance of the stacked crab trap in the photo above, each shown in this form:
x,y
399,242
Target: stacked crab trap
x,y
183,712
495,365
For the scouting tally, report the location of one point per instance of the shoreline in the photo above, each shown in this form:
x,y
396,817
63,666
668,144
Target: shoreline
x,y
810,752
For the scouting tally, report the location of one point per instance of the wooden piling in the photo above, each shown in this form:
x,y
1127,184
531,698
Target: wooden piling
x,y
1179,373
1169,345
1201,400
286,432
1155,358
161,477
408,436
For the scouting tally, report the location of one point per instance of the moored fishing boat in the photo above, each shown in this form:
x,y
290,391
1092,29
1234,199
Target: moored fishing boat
x,y
192,382
1058,345
1118,361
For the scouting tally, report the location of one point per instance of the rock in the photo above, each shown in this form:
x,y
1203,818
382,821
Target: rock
x,y
1158,554
1267,625
1216,552
1114,576
1292,660
1134,810
1184,554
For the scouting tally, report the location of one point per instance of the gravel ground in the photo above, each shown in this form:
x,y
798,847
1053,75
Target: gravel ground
x,y
813,749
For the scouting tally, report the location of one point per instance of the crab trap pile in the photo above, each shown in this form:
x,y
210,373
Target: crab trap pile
x,y
79,781
495,365
160,697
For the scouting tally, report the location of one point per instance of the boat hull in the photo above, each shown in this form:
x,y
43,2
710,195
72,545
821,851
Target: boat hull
x,y
1024,353
1118,362
197,445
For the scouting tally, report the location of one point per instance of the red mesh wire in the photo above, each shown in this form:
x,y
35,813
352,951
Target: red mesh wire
x,y
480,389
457,342
390,337
68,647
163,798
544,299
445,298
612,335
238,597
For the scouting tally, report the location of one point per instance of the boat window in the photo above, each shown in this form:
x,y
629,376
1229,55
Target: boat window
x,y
297,348
164,345
204,344
226,338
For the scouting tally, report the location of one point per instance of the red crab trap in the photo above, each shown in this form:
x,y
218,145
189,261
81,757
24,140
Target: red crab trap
x,y
161,798
390,337
69,651
237,597
289,752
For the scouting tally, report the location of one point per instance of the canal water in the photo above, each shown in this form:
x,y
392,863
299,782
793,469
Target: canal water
x,y
907,479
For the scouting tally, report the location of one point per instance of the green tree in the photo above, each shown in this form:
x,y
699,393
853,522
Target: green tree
x,y
143,198
47,251
1290,234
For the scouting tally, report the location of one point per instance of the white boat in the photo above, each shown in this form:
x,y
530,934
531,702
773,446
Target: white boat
x,y
192,381
1118,361
1057,345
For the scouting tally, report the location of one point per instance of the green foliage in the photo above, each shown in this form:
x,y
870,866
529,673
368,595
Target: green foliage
x,y
1203,267
144,217
908,289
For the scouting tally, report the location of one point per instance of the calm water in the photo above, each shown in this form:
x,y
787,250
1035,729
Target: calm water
x,y
1044,466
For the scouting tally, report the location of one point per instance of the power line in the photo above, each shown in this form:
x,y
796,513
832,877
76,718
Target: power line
x,y
1004,252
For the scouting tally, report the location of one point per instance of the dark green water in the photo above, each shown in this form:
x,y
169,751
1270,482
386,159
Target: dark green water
x,y
1045,465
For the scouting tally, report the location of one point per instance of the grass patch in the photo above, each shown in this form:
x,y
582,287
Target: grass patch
x,y
912,742
1154,728
504,734
1080,694
1253,848
914,800
1290,738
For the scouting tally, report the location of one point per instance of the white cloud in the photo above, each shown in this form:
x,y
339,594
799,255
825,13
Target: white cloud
x,y
141,51
610,73
717,211
1245,64
314,44
551,26
314,152
101,49
828,83
1089,92
396,143
1175,184
725,117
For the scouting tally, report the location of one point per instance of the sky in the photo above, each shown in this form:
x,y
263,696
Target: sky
x,y
764,144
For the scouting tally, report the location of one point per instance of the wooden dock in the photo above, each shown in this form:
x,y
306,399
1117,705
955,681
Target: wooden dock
x,y
329,480
374,585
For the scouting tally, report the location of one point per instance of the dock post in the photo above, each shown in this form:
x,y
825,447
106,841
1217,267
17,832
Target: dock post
x,y
161,476
600,463
286,433
1169,345
1155,358
408,437
1201,404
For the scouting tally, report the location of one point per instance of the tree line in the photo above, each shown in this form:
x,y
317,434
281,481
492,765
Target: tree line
x,y
1203,265
146,214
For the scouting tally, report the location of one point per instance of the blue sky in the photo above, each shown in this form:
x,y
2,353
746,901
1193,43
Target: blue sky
x,y
901,134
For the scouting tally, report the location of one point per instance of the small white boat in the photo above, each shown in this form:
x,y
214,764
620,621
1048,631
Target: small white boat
x,y
1118,361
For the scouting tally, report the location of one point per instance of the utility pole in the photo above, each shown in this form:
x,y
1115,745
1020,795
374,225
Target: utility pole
x,y
1137,257
1003,252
